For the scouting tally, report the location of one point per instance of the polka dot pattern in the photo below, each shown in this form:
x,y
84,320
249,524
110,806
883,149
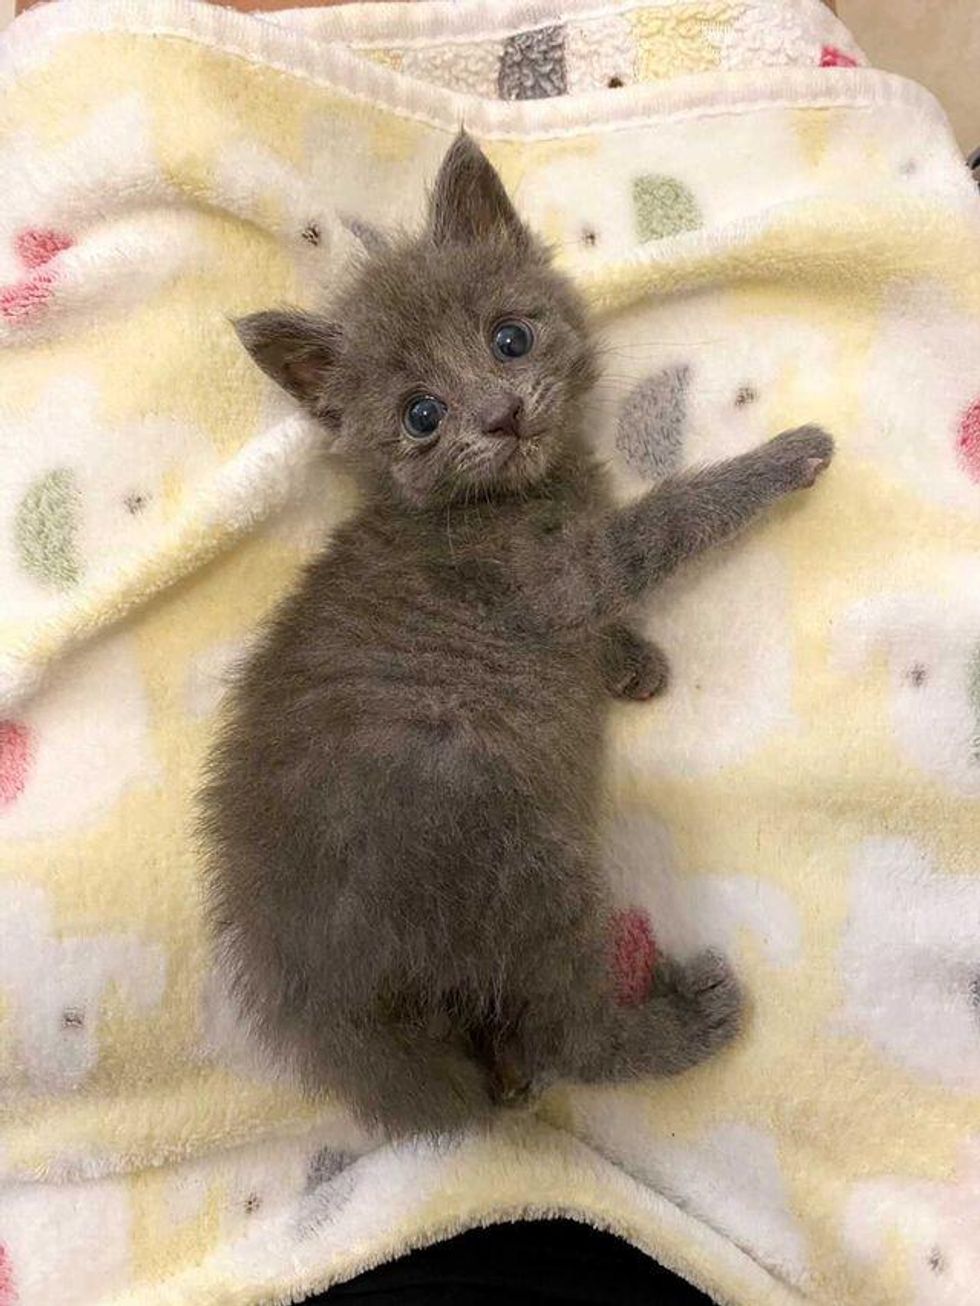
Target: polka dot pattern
x,y
663,206
532,66
676,39
650,433
35,248
8,1294
325,1165
832,57
330,1183
46,527
15,758
968,441
24,299
620,46
38,245
634,956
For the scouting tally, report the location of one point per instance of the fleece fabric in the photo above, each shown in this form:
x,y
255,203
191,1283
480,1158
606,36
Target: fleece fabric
x,y
769,233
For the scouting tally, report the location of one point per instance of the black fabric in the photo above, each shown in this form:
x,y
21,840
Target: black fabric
x,y
533,1263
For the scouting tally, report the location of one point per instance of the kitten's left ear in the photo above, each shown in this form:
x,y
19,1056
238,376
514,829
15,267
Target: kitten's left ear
x,y
469,203
297,350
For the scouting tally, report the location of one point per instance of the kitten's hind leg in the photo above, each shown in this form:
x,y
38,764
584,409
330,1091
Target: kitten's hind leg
x,y
695,1009
509,1082
632,666
406,1081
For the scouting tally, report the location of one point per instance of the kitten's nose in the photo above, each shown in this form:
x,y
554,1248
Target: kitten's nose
x,y
501,415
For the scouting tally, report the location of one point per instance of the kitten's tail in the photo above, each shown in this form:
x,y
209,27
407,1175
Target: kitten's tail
x,y
410,1084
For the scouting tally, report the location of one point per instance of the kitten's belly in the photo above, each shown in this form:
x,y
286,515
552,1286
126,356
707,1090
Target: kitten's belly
x,y
539,709
495,685
486,784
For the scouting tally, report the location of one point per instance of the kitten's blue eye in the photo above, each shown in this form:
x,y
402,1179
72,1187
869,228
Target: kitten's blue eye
x,y
512,340
423,416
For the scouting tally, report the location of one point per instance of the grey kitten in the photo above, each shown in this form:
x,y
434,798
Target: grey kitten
x,y
402,811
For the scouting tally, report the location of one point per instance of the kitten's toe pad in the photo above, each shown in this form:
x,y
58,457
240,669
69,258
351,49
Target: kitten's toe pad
x,y
646,675
811,470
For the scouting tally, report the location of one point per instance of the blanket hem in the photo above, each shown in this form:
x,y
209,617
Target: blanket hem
x,y
299,55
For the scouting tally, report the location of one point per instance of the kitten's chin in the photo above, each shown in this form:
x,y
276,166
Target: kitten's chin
x,y
520,466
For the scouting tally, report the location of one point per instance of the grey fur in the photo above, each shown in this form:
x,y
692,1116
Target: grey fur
x,y
532,65
653,420
403,810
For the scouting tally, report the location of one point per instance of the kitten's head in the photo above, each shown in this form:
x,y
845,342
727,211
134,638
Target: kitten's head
x,y
452,367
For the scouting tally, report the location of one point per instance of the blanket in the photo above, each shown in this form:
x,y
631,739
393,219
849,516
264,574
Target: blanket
x,y
769,232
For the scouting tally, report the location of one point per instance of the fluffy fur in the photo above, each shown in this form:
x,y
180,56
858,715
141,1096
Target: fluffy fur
x,y
403,808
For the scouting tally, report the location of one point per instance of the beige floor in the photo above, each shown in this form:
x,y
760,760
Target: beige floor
x,y
936,42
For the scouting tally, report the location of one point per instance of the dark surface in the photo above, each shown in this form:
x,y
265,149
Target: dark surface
x,y
534,1263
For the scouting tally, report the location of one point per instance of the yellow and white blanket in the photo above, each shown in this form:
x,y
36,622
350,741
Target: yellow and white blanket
x,y
770,233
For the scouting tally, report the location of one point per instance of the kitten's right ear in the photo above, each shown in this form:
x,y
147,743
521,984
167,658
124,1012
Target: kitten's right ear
x,y
469,203
297,350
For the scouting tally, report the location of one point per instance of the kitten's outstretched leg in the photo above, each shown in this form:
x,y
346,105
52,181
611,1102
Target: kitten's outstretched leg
x,y
687,514
632,666
625,553
694,1010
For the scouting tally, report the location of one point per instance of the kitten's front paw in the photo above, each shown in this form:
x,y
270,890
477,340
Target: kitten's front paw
x,y
798,457
646,676
634,667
